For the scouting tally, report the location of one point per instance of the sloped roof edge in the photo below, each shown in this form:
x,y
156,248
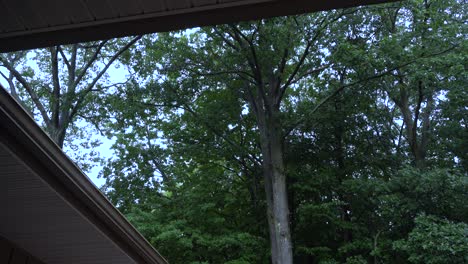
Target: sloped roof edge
x,y
20,133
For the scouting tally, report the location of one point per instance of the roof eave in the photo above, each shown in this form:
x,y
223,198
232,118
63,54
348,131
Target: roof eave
x,y
20,133
168,21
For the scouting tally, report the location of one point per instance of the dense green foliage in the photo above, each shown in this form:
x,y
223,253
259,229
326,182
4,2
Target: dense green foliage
x,y
373,124
436,241
374,127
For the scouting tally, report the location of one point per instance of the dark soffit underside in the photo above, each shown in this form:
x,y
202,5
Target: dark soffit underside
x,y
26,24
40,221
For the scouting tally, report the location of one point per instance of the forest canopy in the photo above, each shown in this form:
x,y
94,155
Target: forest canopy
x,y
332,137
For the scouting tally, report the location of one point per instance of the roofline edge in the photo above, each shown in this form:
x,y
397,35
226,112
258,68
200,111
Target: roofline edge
x,y
23,137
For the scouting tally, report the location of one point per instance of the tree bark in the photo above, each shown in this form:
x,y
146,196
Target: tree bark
x,y
419,119
275,187
339,153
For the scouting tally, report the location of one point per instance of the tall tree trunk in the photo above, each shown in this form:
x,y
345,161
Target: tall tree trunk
x,y
421,118
339,153
275,187
57,134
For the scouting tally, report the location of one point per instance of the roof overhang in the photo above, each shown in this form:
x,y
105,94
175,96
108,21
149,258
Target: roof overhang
x,y
26,24
50,208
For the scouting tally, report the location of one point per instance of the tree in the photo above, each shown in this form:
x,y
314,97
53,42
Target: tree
x,y
429,32
220,111
436,240
262,70
60,89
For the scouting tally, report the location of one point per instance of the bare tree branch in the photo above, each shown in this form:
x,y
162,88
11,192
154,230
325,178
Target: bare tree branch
x,y
90,86
12,85
64,57
55,98
225,40
29,89
293,74
89,63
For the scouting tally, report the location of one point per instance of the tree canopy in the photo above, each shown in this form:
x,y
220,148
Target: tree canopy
x,y
332,137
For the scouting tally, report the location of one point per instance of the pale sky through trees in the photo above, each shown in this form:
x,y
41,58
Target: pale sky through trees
x,y
116,75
